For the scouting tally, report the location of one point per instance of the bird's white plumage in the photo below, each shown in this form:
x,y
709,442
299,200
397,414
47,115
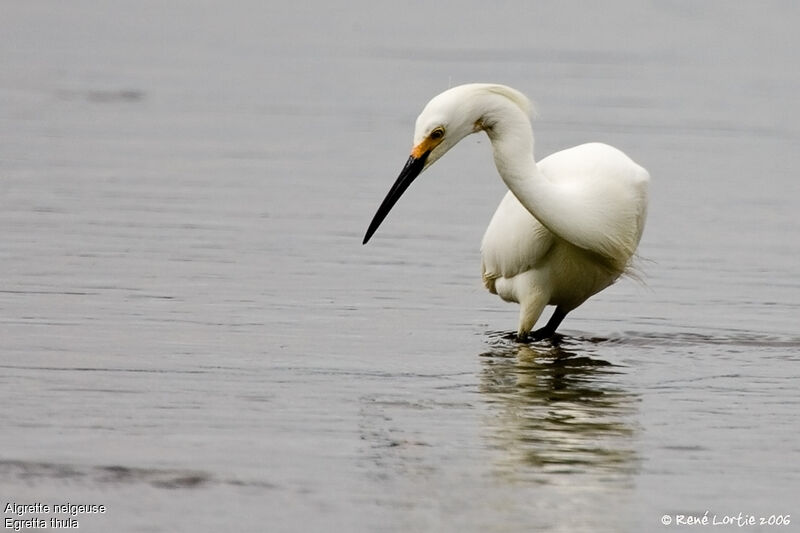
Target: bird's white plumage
x,y
524,262
569,225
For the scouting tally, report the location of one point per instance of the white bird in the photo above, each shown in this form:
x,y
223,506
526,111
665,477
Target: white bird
x,y
569,225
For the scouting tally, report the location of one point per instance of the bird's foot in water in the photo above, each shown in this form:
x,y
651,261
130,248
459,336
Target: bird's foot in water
x,y
548,331
542,334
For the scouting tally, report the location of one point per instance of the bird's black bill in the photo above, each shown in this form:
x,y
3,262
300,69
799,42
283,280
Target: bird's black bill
x,y
409,173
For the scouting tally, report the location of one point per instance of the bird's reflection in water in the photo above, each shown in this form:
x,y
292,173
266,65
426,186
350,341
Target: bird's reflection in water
x,y
557,410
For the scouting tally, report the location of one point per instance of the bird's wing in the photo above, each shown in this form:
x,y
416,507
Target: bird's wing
x,y
514,242
604,197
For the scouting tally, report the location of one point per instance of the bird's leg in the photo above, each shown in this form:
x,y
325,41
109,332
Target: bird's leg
x,y
530,308
550,328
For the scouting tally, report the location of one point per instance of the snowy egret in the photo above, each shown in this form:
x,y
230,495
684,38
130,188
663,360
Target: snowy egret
x,y
569,225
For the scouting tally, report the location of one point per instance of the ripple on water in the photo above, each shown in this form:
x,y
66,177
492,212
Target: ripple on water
x,y
44,472
645,339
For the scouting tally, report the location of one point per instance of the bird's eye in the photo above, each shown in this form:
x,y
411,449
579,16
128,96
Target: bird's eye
x,y
437,134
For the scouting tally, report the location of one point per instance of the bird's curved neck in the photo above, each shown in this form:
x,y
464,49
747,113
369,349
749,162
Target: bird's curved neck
x,y
557,206
512,144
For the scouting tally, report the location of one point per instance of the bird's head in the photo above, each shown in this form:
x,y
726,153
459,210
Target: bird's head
x,y
445,120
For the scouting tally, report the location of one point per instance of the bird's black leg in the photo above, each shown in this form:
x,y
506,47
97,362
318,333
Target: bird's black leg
x,y
550,328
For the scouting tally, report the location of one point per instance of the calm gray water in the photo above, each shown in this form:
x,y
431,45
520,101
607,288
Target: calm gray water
x,y
192,335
